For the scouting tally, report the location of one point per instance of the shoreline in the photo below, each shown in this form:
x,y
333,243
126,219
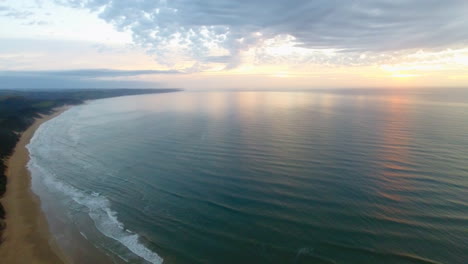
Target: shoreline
x,y
33,229
26,237
34,232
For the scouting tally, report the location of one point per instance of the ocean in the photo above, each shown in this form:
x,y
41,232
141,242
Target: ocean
x,y
324,176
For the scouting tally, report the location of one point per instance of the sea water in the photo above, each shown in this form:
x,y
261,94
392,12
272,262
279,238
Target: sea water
x,y
325,176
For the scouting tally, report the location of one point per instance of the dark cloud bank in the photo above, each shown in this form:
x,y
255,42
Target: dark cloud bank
x,y
83,78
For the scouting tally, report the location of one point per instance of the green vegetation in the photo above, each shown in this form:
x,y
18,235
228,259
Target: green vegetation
x,y
18,109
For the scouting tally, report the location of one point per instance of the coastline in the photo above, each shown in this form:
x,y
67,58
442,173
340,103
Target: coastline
x,y
33,229
26,238
34,234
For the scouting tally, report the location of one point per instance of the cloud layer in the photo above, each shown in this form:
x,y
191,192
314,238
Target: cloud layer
x,y
217,31
7,11
46,82
86,73
84,78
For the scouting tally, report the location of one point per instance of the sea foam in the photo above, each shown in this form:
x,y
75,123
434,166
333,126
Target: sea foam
x,y
98,206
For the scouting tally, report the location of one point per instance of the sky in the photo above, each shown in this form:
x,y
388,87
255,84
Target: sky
x,y
235,44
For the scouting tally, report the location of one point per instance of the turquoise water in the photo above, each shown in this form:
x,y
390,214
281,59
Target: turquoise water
x,y
343,176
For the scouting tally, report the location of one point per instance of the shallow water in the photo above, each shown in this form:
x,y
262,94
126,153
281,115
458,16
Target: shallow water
x,y
343,176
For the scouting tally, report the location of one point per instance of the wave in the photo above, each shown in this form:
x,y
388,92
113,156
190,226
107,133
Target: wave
x,y
98,208
397,257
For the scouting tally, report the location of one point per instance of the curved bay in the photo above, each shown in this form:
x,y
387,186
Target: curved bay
x,y
266,177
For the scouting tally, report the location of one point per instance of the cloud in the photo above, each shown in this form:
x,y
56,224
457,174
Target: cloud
x,y
7,11
219,31
45,82
36,23
84,78
85,73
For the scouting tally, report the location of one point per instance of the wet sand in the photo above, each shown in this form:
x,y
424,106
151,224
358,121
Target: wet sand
x,y
26,238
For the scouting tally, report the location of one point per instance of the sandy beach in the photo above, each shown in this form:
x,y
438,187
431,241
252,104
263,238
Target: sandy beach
x,y
26,238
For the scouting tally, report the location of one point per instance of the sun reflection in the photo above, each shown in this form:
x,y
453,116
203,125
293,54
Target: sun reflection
x,y
394,156
215,104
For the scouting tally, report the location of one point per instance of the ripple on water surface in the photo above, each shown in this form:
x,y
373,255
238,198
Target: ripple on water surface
x,y
265,177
